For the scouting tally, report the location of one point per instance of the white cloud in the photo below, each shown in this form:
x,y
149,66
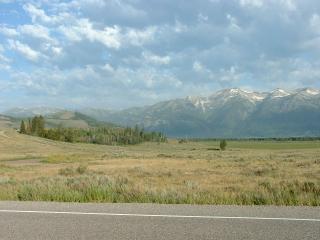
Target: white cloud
x,y
104,82
24,49
56,51
70,33
315,23
107,67
4,59
289,5
109,36
140,37
253,3
37,13
233,22
36,31
179,27
198,67
313,43
225,76
202,17
10,32
231,75
5,67
155,59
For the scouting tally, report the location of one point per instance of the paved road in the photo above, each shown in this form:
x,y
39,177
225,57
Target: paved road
x,y
38,220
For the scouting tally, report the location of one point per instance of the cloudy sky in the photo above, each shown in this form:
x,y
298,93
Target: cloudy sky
x,y
123,53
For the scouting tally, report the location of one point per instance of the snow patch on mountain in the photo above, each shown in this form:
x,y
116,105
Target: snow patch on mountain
x,y
236,92
199,102
309,91
279,93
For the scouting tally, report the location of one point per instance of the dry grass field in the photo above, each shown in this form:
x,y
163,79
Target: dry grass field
x,y
278,173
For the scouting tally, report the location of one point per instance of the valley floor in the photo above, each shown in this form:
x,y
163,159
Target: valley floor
x,y
277,173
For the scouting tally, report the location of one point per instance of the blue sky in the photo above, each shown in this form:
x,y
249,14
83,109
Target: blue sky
x,y
122,53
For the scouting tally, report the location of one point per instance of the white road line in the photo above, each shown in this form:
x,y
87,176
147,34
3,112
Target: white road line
x,y
162,216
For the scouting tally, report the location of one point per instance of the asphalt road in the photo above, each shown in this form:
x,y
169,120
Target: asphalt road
x,y
39,220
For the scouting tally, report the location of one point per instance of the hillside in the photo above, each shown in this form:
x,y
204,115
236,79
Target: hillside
x,y
70,119
53,119
6,121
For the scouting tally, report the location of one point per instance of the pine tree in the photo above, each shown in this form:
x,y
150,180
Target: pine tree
x,y
41,124
34,125
23,128
29,127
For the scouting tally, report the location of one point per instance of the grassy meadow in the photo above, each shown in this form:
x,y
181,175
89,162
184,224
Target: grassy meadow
x,y
248,172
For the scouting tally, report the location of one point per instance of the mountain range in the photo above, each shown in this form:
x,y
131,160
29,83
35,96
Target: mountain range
x,y
232,113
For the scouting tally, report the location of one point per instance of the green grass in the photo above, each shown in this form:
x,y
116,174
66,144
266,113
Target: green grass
x,y
5,169
64,158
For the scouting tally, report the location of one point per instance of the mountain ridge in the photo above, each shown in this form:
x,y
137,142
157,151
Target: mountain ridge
x,y
226,113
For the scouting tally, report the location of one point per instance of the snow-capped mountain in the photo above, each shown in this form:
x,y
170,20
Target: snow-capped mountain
x,y
308,91
231,113
226,113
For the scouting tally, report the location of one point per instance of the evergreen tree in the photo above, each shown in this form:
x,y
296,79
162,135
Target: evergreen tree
x,y
99,135
29,127
40,125
34,125
23,128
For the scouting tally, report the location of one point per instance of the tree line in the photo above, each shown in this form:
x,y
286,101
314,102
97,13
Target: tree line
x,y
98,135
34,126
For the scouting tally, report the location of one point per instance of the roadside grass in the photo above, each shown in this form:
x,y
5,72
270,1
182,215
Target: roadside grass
x,y
92,187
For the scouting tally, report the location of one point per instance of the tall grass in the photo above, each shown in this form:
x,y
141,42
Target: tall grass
x,y
84,186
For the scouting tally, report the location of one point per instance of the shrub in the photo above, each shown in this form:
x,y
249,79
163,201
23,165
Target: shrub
x,y
66,171
81,169
182,140
223,145
69,171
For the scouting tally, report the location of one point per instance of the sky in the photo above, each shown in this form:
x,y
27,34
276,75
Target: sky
x,y
116,54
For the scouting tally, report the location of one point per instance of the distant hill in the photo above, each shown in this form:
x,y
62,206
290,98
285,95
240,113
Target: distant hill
x,y
96,113
74,120
20,112
232,113
68,119
55,118
6,121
